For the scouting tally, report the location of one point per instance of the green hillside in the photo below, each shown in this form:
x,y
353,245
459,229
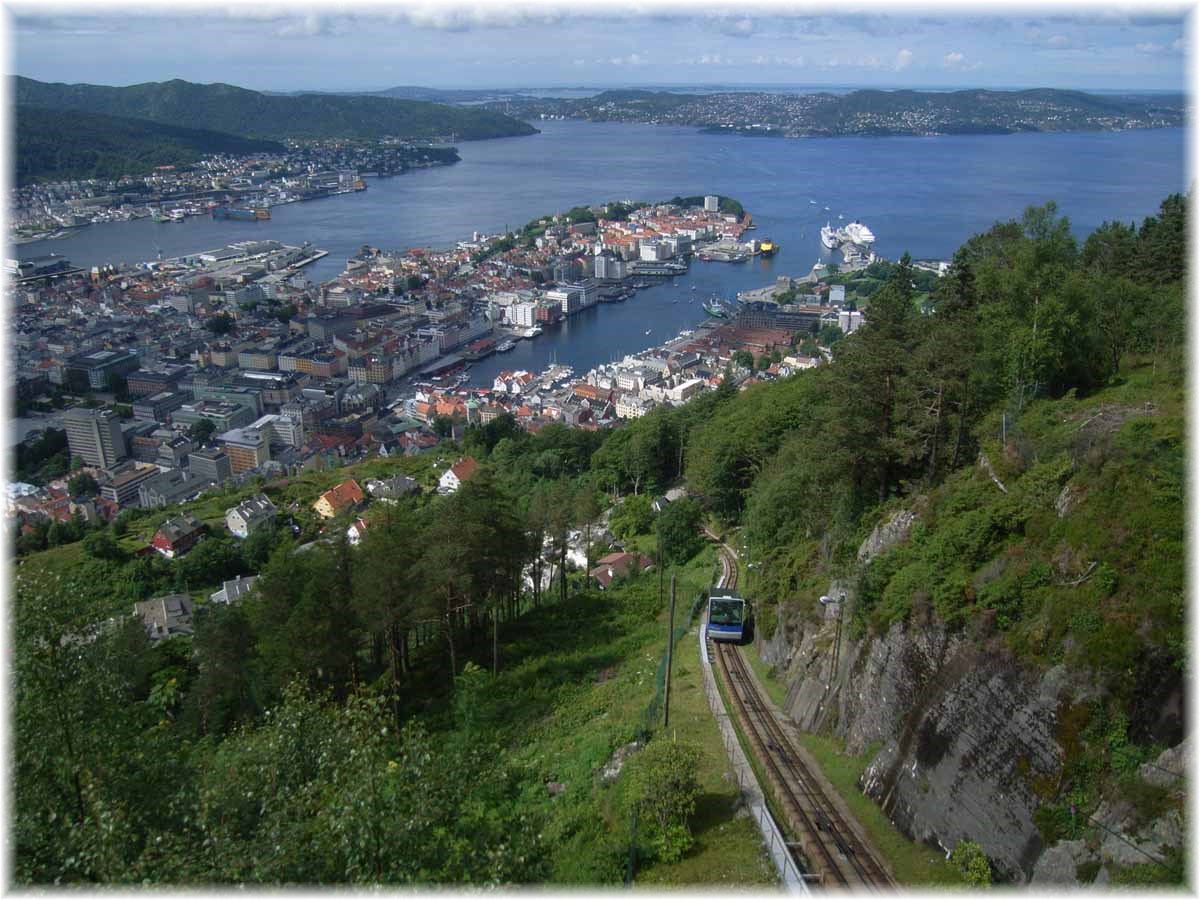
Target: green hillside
x,y
235,110
50,145
409,710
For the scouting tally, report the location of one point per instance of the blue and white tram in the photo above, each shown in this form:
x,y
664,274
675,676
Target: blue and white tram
x,y
726,614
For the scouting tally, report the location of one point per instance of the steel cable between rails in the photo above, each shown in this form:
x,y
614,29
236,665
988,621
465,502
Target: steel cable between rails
x,y
736,693
865,867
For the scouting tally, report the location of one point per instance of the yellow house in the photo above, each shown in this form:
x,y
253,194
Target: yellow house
x,y
338,498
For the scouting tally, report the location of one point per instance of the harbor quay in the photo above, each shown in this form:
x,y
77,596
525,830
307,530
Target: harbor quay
x,y
233,353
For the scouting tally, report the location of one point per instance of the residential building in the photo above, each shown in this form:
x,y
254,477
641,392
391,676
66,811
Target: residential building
x,y
339,499
177,536
393,488
168,488
619,565
94,435
257,358
165,617
232,591
249,515
356,531
453,477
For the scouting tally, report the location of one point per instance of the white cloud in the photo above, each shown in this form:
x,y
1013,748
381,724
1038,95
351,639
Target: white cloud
x,y
1058,40
1154,49
904,59
857,62
762,60
311,25
633,59
958,62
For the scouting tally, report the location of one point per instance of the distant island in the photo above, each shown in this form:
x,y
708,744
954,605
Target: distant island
x,y
245,113
865,112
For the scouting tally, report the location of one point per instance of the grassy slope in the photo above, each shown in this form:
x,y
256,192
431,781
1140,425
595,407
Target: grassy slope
x,y
576,682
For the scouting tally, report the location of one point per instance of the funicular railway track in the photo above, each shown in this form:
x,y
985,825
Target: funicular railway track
x,y
826,846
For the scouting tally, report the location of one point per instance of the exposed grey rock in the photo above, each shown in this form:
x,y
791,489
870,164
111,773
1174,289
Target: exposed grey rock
x,y
1170,769
1058,864
887,535
1167,830
1101,878
1120,852
1068,498
964,732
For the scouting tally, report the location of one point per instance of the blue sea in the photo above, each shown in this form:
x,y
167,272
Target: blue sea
x,y
924,195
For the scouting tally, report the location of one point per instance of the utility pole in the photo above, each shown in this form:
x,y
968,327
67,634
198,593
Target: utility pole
x,y
660,566
670,653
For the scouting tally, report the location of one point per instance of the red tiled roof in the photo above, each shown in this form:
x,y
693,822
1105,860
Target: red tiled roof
x,y
345,494
464,468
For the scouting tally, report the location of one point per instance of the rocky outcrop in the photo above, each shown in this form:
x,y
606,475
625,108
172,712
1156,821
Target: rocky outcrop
x,y
887,535
965,739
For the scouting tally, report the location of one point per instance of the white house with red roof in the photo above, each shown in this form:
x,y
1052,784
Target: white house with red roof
x,y
454,476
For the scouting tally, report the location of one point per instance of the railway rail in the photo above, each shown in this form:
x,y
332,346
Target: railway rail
x,y
825,845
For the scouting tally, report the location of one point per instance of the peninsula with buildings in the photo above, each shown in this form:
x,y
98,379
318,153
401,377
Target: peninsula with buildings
x,y
172,377
87,154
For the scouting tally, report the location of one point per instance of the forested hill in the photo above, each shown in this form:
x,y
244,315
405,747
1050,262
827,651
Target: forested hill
x,y
235,110
1028,418
91,145
874,112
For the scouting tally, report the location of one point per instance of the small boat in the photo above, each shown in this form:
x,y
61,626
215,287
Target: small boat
x,y
827,209
693,287
648,330
840,216
813,202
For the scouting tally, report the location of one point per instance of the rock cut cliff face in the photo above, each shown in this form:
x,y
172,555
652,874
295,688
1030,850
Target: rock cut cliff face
x,y
963,737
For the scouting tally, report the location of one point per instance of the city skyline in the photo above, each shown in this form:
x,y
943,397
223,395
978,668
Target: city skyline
x,y
490,46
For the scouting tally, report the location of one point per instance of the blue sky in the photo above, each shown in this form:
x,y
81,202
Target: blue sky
x,y
446,44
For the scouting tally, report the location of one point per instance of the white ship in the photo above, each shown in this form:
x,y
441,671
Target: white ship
x,y
858,233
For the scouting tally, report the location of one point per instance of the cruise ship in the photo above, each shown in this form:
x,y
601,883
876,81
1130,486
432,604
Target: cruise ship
x,y
858,233
855,233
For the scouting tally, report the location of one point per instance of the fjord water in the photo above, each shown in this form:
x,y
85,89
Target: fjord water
x,y
926,195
